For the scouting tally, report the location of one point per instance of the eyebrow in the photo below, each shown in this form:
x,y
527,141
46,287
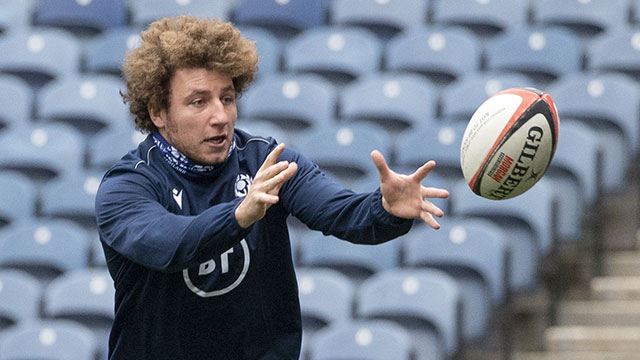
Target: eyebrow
x,y
206,92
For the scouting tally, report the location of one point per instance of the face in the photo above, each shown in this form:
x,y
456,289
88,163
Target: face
x,y
201,115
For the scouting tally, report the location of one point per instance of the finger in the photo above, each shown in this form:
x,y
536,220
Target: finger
x,y
271,171
428,218
381,165
431,208
430,192
424,170
266,198
274,184
272,157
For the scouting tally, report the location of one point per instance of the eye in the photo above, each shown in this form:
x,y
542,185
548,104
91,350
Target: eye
x,y
227,100
197,102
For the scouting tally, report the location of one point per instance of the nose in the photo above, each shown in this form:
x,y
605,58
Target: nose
x,y
218,115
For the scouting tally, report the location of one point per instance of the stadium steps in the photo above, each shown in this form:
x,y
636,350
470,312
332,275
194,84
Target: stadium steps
x,y
575,355
599,313
622,263
615,288
606,339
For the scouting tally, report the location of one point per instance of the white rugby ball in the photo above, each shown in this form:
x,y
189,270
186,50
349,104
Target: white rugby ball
x,y
509,143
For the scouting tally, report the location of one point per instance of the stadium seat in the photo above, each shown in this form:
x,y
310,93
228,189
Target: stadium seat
x,y
269,49
326,297
442,54
15,103
486,18
292,101
385,18
340,54
617,51
19,297
475,253
362,339
144,12
48,339
407,297
635,11
354,260
105,53
97,257
44,247
395,101
39,55
608,103
18,197
72,197
585,18
543,53
283,18
438,141
81,16
460,99
89,103
83,295
42,152
531,234
15,15
343,150
107,147
575,177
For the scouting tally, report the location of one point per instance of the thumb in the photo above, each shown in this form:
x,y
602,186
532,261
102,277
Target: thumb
x,y
381,164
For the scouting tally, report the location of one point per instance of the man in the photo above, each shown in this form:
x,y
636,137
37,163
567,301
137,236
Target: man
x,y
193,221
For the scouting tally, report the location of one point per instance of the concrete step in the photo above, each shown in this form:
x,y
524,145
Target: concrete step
x,y
619,339
615,288
575,355
622,263
599,313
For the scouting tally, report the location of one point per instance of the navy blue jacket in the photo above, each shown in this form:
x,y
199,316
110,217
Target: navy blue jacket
x,y
190,282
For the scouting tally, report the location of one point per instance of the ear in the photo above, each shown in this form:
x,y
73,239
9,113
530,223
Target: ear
x,y
158,117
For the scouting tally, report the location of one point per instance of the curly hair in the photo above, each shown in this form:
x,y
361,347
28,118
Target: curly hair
x,y
181,42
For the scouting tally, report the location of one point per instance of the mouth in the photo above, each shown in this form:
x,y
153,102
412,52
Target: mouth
x,y
216,141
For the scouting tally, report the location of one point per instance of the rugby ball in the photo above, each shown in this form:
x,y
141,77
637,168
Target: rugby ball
x,y
509,143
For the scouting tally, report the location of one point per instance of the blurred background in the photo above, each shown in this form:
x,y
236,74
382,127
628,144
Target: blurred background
x,y
551,274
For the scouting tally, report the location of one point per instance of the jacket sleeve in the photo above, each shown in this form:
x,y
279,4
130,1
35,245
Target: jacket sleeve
x,y
132,221
323,204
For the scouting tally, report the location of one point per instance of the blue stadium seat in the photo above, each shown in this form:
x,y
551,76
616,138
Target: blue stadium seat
x,y
362,339
19,297
18,197
107,147
617,51
487,18
460,99
442,54
608,103
532,236
89,103
42,152
326,297
439,142
395,101
15,15
407,296
343,150
97,257
575,177
635,11
385,18
340,54
39,55
543,53
15,103
283,18
83,295
144,12
354,260
269,49
585,18
472,251
44,247
72,197
292,101
48,339
81,16
266,128
106,51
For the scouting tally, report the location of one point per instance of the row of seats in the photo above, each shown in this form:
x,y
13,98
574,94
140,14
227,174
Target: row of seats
x,y
40,54
488,16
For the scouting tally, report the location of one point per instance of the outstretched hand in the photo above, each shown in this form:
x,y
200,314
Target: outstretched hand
x,y
404,196
265,187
